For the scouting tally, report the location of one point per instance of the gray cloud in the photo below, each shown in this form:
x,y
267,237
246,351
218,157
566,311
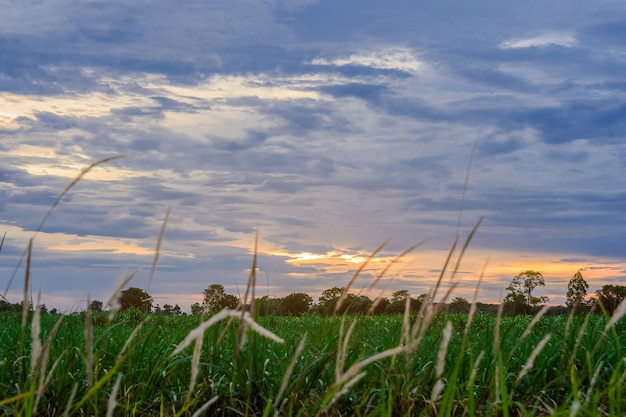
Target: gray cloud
x,y
250,117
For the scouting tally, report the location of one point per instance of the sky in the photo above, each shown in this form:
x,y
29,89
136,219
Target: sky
x,y
328,127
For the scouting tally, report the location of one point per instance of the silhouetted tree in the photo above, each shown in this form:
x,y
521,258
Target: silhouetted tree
x,y
398,302
610,296
268,306
216,299
519,299
576,292
296,303
358,304
7,306
135,298
196,308
96,305
170,310
328,299
379,306
459,305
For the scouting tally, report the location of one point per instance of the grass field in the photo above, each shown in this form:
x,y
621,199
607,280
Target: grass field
x,y
431,364
235,364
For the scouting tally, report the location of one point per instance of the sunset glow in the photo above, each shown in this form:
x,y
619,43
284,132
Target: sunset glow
x,y
325,127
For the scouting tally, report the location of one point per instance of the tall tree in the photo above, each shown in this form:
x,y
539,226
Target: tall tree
x,y
135,298
520,298
576,292
216,299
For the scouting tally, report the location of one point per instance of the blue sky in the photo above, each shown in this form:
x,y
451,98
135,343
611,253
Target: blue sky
x,y
328,127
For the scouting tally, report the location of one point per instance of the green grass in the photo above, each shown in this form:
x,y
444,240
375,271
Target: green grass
x,y
566,375
231,364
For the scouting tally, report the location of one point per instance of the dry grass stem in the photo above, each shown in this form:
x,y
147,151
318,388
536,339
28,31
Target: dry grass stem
x,y
112,403
157,250
531,359
25,298
441,357
226,313
289,372
200,411
54,205
195,365
89,344
344,293
346,386
617,314
534,321
114,301
70,401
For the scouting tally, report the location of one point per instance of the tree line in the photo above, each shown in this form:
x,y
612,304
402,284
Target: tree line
x,y
518,300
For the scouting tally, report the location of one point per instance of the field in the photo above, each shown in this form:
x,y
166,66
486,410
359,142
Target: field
x,y
427,364
233,363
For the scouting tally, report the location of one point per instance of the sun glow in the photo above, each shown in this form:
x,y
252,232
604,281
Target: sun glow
x,y
332,256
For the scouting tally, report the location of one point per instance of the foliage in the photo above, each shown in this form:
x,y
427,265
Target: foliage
x,y
519,298
196,308
96,305
296,304
135,298
459,305
328,300
170,310
269,306
216,299
610,296
7,306
576,292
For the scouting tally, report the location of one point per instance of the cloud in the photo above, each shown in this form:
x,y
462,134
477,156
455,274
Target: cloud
x,y
546,39
326,126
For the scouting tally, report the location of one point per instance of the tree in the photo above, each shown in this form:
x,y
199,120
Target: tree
x,y
359,304
216,299
269,306
296,303
168,310
610,296
379,306
459,305
96,305
576,292
519,298
398,302
135,298
6,306
196,308
329,298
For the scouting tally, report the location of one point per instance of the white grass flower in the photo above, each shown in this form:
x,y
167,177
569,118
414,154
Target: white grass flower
x,y
534,321
437,388
112,403
289,372
346,387
441,357
617,314
35,352
531,359
200,411
199,331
